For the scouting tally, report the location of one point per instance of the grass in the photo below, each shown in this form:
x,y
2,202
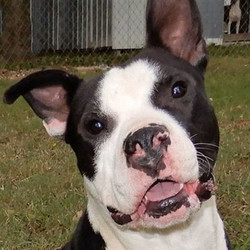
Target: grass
x,y
229,85
105,56
76,58
41,190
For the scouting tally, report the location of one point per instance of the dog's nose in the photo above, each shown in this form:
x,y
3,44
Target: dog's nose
x,y
145,147
146,138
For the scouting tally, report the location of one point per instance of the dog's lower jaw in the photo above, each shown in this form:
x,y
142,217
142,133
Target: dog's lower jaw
x,y
203,230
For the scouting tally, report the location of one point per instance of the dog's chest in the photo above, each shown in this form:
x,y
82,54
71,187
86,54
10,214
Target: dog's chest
x,y
204,231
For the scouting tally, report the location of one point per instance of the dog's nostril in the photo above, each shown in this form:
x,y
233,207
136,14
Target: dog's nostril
x,y
112,210
165,138
144,139
161,139
130,147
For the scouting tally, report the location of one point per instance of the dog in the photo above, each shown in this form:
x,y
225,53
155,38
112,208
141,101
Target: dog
x,y
145,136
235,15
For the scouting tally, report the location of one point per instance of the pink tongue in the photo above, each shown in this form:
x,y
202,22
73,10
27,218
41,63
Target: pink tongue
x,y
163,190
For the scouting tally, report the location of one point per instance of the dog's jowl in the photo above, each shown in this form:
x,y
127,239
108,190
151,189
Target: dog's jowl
x,y
145,138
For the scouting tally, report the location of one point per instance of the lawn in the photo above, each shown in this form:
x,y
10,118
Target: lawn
x,y
41,190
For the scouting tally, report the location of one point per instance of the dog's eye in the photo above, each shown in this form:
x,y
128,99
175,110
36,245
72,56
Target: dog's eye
x,y
179,89
95,127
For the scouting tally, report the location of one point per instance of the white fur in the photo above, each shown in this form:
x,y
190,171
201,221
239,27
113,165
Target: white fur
x,y
235,15
55,128
125,96
127,89
204,230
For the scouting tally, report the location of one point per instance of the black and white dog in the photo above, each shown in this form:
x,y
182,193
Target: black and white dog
x,y
145,137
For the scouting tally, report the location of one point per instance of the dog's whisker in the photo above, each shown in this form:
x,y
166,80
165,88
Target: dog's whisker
x,y
204,165
206,144
193,136
205,156
204,159
208,149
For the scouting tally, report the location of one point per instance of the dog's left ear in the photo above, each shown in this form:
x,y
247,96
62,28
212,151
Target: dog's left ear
x,y
49,93
176,25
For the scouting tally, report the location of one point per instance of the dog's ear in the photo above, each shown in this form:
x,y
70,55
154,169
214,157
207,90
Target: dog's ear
x,y
49,93
176,26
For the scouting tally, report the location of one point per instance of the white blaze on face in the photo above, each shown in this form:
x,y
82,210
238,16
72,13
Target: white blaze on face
x,y
125,95
124,90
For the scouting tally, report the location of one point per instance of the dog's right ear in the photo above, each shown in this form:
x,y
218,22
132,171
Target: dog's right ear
x,y
176,26
49,93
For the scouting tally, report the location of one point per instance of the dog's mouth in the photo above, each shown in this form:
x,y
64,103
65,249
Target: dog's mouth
x,y
166,198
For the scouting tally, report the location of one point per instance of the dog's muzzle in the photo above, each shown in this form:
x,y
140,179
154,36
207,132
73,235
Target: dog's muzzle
x,y
176,195
145,147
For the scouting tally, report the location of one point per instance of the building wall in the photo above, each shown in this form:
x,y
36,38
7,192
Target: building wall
x,y
128,24
70,24
119,24
212,13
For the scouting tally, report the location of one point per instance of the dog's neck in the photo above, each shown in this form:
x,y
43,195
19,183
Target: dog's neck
x,y
202,230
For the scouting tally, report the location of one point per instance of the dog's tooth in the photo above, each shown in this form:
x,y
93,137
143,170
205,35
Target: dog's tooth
x,y
145,197
181,186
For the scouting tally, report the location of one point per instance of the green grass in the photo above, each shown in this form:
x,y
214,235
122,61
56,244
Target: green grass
x,y
228,82
234,50
41,189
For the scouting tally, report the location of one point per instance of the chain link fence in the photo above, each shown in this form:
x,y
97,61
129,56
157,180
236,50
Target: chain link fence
x,y
43,33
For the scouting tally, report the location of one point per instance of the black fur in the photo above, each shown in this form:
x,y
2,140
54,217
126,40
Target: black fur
x,y
41,79
84,108
191,111
84,237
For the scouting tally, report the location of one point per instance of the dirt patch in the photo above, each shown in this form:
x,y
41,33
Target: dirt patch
x,y
85,70
16,74
242,124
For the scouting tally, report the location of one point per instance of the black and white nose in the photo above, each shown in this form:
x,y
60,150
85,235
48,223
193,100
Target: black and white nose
x,y
145,147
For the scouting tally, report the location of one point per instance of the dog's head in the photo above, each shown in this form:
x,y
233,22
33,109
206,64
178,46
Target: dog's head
x,y
144,134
